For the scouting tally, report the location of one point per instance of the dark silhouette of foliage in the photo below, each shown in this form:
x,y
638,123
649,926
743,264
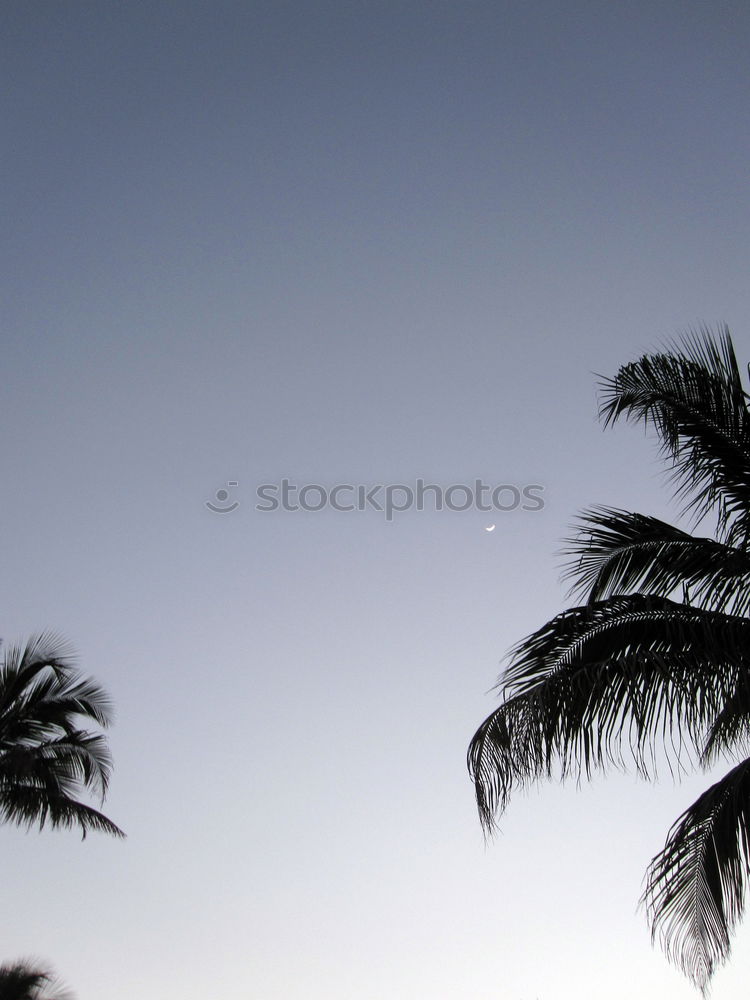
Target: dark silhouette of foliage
x,y
655,664
24,980
46,759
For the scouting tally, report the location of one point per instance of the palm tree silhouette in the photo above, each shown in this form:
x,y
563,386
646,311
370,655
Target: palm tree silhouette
x,y
25,981
46,759
655,666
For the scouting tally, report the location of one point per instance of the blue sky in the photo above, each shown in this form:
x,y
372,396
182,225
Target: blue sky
x,y
341,242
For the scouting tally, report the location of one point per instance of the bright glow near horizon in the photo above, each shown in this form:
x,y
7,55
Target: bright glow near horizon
x,y
342,243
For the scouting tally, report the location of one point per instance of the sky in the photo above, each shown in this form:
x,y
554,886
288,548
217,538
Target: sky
x,y
342,243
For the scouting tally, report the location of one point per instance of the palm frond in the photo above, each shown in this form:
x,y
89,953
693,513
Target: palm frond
x,y
603,685
43,670
618,552
634,677
22,663
21,982
46,758
78,758
26,980
695,888
729,734
33,804
693,397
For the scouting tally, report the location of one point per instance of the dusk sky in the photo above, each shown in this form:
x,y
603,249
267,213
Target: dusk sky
x,y
342,243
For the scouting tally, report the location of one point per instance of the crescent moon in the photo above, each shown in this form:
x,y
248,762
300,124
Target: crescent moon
x,y
491,528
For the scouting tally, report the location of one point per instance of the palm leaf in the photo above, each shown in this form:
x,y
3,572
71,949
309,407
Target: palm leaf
x,y
22,664
608,684
633,676
693,397
617,552
730,731
46,758
24,980
695,888
34,804
43,670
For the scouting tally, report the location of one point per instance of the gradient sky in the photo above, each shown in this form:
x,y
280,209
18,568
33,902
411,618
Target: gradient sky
x,y
341,242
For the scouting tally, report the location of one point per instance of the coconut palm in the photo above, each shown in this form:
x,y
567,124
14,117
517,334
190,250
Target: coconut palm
x,y
654,667
46,759
25,981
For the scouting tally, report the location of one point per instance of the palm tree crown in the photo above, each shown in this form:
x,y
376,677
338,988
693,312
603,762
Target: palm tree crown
x,y
654,665
46,759
24,980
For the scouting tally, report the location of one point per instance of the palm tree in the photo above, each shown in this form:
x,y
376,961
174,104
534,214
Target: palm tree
x,y
25,981
654,667
46,759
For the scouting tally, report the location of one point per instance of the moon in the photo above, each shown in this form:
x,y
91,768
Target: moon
x,y
491,528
